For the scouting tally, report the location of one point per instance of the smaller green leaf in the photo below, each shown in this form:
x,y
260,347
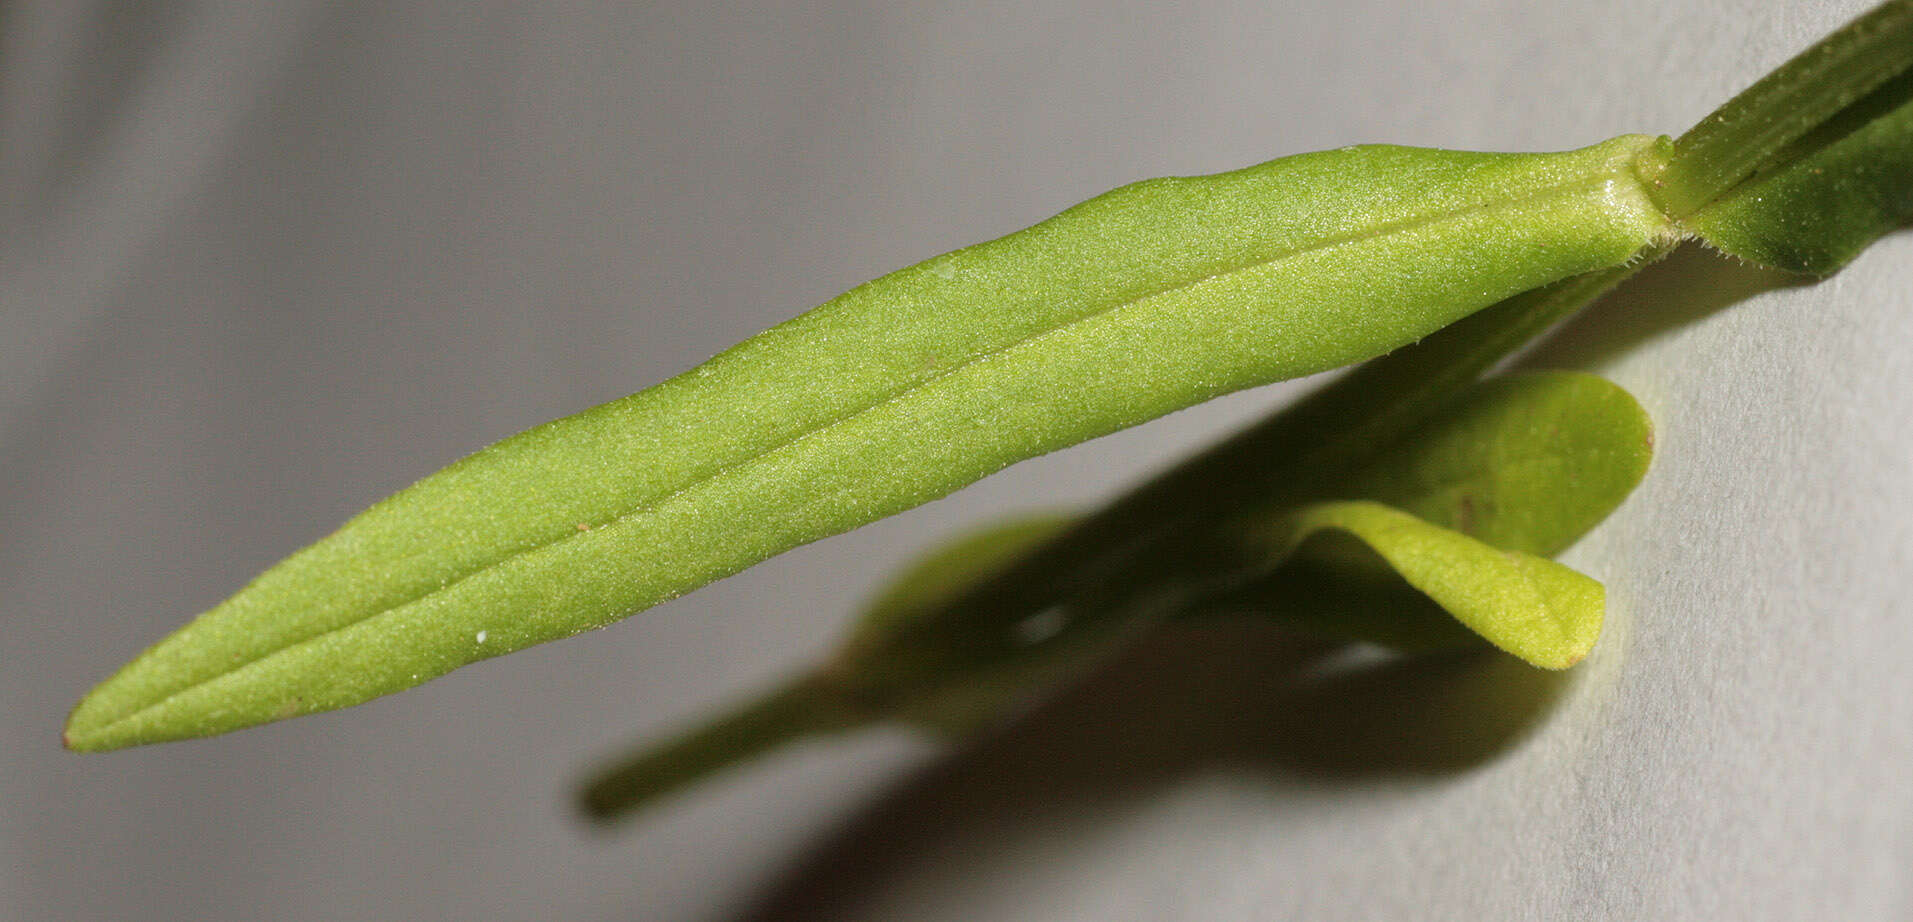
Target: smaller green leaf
x,y
1526,463
1534,608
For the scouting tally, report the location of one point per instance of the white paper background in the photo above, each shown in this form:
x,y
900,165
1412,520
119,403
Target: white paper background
x,y
265,263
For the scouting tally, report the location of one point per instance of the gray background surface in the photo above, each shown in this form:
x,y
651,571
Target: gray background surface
x,y
265,263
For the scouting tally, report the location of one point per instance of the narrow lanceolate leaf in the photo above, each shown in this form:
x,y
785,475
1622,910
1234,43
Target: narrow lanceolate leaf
x,y
1142,301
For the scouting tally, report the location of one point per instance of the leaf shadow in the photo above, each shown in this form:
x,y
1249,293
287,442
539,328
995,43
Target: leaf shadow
x,y
1240,696
1691,284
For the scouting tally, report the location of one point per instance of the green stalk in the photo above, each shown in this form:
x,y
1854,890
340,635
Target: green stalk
x,y
1754,131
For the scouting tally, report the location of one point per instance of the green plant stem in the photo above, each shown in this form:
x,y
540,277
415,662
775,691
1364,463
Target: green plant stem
x,y
1831,203
1755,130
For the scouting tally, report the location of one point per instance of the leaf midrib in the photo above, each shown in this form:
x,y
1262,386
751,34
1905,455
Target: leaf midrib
x,y
1617,170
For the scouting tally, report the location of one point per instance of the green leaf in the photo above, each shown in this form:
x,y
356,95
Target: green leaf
x,y
1538,610
1527,463
1142,301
